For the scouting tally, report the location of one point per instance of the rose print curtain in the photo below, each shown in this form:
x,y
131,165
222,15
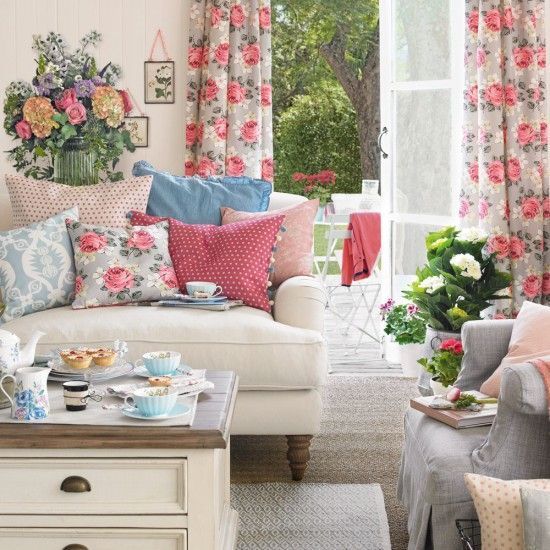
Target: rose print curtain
x,y
505,185
229,128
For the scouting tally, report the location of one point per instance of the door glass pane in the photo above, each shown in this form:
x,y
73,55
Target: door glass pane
x,y
422,39
423,152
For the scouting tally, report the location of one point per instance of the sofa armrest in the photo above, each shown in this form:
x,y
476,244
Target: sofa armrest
x,y
523,390
282,200
485,345
300,302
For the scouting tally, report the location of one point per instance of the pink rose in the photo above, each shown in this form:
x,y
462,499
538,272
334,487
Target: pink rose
x,y
265,17
471,94
207,167
495,172
250,131
117,279
530,208
23,129
91,242
205,55
483,208
200,132
265,94
189,168
76,113
523,57
546,283
541,57
517,248
235,166
481,57
473,21
251,54
235,93
499,245
473,171
526,134
464,208
215,16
142,240
506,212
513,169
220,127
544,133
221,53
65,99
168,276
190,133
126,101
492,20
494,94
237,16
510,95
78,284
532,286
194,58
508,18
211,89
267,169
546,207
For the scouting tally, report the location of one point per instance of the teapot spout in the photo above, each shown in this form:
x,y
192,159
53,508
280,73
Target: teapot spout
x,y
27,353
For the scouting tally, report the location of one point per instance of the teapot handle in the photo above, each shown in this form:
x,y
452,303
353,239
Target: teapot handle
x,y
2,386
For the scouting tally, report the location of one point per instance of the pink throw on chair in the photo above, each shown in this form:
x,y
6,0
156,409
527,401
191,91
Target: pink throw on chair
x,y
544,369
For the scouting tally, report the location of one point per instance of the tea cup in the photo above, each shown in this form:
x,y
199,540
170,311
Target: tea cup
x,y
154,401
160,363
202,289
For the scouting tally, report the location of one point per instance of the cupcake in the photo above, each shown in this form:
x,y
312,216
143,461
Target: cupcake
x,y
160,381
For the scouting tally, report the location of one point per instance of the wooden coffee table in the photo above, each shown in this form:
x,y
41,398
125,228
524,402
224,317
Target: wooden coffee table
x,y
71,487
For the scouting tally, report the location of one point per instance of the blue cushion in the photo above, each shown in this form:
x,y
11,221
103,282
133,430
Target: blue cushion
x,y
191,199
36,267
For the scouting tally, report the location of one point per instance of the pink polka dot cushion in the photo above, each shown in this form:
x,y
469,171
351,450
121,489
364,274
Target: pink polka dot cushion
x,y
237,256
498,506
105,204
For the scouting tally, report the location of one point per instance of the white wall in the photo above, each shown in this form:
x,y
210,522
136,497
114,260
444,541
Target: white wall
x,y
128,28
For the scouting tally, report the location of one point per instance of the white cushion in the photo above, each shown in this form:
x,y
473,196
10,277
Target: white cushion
x,y
265,354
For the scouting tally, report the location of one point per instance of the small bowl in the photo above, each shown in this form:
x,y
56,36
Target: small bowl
x,y
153,401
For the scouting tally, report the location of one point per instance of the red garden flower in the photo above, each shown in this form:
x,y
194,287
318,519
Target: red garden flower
x,y
452,345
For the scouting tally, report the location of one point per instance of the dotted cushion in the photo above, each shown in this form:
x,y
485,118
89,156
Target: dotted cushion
x,y
498,506
237,256
104,204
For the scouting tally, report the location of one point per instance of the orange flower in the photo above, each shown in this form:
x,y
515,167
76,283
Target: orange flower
x,y
107,105
38,112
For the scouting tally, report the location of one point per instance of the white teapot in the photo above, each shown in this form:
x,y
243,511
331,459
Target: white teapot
x,y
12,356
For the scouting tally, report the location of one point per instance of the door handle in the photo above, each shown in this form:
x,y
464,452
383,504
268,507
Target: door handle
x,y
75,484
380,136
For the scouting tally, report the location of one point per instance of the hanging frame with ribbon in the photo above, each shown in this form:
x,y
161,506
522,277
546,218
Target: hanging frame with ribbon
x,y
159,74
137,125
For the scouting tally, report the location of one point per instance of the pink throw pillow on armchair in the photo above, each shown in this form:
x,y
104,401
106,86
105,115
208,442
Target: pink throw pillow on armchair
x,y
530,340
237,257
294,253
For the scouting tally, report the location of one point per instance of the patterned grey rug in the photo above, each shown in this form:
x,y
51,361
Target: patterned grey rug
x,y
311,516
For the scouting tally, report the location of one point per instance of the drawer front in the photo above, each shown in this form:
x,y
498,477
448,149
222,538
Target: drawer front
x,y
116,486
90,539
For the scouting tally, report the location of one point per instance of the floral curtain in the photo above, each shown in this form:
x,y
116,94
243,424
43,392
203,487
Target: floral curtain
x,y
505,187
229,127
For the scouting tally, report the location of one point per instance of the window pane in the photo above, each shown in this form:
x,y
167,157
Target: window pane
x,y
423,152
422,49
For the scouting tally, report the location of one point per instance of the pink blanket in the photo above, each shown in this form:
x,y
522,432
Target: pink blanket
x,y
362,249
544,368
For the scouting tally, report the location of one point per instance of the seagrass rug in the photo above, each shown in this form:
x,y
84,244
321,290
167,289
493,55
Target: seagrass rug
x,y
311,516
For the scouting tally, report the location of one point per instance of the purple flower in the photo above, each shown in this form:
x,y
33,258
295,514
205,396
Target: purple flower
x,y
98,81
412,309
44,84
84,88
388,305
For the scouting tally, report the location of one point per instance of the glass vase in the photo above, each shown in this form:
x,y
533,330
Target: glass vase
x,y
75,164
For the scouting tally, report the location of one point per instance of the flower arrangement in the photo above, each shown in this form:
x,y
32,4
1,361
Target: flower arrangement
x,y
68,98
459,279
402,321
446,362
317,186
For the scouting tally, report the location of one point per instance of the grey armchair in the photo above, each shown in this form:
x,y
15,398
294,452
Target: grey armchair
x,y
436,457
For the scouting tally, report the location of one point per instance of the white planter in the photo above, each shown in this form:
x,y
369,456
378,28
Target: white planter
x,y
409,354
438,388
392,352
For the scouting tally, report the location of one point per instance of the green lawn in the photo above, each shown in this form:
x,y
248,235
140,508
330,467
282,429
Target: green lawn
x,y
320,246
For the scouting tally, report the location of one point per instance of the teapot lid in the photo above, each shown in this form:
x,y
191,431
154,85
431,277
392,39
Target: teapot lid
x,y
8,336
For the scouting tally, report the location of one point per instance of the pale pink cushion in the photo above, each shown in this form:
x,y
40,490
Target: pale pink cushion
x,y
294,255
103,204
530,340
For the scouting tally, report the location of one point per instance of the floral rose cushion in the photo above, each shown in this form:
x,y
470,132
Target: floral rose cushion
x,y
103,204
294,253
117,266
237,256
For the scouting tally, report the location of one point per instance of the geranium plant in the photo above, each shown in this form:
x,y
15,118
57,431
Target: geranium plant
x,y
445,364
68,97
403,322
317,186
459,279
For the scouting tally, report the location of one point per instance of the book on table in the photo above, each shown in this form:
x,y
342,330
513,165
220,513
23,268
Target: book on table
x,y
455,418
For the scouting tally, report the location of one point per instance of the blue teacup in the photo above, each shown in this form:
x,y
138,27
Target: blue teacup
x,y
160,363
154,401
202,289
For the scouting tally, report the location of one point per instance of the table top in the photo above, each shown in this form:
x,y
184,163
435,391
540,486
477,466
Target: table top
x,y
210,429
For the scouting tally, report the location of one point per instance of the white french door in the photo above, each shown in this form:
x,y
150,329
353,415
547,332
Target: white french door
x,y
421,60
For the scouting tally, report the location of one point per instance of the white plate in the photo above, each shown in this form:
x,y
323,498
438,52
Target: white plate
x,y
178,371
178,410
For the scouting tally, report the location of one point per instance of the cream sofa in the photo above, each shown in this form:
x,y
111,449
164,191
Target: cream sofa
x,y
281,359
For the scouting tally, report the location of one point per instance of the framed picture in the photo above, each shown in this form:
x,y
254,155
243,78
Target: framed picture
x,y
159,82
138,126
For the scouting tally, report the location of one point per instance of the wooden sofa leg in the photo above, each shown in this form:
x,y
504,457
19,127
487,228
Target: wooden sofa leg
x,y
298,454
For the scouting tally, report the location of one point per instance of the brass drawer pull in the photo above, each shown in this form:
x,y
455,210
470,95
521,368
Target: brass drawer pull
x,y
75,484
75,547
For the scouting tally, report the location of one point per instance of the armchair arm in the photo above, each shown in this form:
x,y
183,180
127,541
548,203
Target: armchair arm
x,y
300,302
523,390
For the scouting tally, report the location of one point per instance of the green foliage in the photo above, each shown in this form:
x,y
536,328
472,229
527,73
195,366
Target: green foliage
x,y
465,400
405,328
317,132
444,366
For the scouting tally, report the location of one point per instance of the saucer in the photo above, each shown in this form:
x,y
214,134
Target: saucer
x,y
208,299
178,371
178,410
